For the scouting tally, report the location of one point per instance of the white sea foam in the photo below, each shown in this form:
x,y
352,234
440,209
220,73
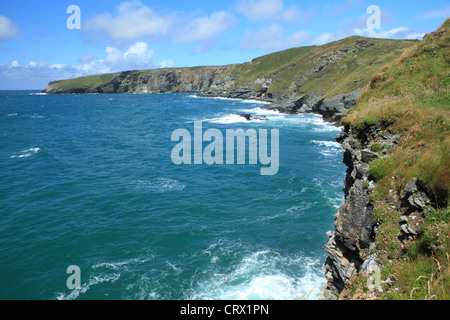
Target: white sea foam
x,y
229,119
215,98
258,277
160,185
254,101
331,148
12,114
93,280
122,265
104,272
26,153
177,270
261,111
37,94
270,115
223,98
329,144
33,116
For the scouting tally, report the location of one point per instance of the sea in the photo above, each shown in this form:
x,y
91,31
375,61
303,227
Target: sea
x,y
89,181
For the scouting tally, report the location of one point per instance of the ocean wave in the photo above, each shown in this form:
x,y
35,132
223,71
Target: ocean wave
x,y
26,153
328,129
12,114
328,153
258,277
231,118
215,98
329,144
331,148
250,101
261,111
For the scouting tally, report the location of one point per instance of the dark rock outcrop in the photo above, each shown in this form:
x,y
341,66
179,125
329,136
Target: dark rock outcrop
x,y
331,109
249,117
350,246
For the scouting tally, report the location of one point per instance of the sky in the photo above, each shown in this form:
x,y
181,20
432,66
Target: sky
x,y
47,40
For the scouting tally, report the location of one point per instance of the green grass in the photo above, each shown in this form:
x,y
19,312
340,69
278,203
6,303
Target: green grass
x,y
411,96
87,82
380,168
422,277
377,147
413,93
343,76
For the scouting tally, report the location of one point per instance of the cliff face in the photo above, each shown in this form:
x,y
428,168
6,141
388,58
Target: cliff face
x,y
193,80
352,248
351,245
324,79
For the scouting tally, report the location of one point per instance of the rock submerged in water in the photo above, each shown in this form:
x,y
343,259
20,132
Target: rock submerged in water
x,y
250,117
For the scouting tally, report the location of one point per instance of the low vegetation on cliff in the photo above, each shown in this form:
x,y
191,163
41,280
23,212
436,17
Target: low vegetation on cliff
x,y
409,98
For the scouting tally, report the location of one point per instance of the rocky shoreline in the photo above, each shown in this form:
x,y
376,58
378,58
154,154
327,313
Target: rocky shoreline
x,y
332,109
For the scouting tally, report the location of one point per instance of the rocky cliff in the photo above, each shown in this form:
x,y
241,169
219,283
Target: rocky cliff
x,y
350,246
324,79
352,249
395,218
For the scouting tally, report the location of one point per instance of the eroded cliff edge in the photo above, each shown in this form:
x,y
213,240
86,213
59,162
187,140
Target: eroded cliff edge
x,y
352,249
395,218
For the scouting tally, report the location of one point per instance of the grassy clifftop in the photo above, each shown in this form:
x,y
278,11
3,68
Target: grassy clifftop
x,y
410,97
412,93
327,70
331,69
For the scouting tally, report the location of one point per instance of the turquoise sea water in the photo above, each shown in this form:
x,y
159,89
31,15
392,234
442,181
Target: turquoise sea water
x,y
88,180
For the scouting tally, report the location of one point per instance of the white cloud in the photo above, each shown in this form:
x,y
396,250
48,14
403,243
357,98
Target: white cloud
x,y
395,33
8,29
358,26
441,13
260,10
138,56
327,37
294,14
57,66
298,38
167,63
256,10
15,64
272,38
267,38
36,75
132,21
206,27
88,57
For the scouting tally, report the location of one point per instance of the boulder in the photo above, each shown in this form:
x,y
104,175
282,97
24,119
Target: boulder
x,y
368,156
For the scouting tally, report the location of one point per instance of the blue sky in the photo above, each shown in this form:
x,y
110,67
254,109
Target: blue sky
x,y
36,46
